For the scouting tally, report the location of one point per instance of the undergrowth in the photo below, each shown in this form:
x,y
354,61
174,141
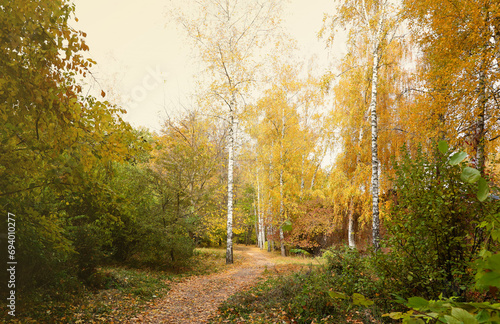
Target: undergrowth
x,y
117,292
304,296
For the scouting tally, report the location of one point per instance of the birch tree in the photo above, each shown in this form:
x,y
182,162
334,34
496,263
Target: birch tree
x,y
228,35
459,92
287,140
373,22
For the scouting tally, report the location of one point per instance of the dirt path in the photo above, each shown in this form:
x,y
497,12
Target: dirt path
x,y
197,298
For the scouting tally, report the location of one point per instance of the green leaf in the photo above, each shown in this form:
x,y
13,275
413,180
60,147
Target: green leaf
x,y
287,226
495,234
489,279
483,316
335,294
457,158
443,147
417,302
470,175
464,316
483,190
394,315
451,320
494,262
358,299
414,321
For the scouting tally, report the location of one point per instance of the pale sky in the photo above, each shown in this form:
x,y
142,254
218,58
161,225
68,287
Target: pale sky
x,y
144,64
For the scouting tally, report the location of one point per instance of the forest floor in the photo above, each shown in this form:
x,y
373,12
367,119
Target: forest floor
x,y
197,298
191,294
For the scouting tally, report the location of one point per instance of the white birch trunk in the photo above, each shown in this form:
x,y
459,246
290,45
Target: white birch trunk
x,y
270,206
282,242
374,126
262,228
260,233
313,180
350,228
230,163
256,223
282,166
282,219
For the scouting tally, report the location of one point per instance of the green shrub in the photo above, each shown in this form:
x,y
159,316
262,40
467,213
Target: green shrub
x,y
88,240
431,225
304,297
301,296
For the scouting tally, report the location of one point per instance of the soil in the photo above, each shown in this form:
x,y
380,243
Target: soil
x,y
196,299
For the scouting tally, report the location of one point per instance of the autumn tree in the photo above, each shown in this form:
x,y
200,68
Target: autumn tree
x,y
57,143
458,71
185,168
228,35
371,26
288,144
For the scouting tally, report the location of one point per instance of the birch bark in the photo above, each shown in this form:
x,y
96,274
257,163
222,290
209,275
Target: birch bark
x,y
230,165
375,39
374,146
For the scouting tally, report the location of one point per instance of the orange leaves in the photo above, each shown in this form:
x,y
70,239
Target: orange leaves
x,y
459,69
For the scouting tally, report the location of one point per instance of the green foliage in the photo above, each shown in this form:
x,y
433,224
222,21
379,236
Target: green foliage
x,y
71,170
355,299
301,297
431,226
447,310
56,145
245,214
344,287
88,242
300,251
350,271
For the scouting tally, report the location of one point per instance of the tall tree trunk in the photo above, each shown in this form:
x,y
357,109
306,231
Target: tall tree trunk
x,y
230,163
282,167
282,242
282,218
479,141
314,176
374,126
260,234
350,229
256,223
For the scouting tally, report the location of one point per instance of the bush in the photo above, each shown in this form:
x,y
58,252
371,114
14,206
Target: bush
x,y
88,240
159,247
431,226
304,297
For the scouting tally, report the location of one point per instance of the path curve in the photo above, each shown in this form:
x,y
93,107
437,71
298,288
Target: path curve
x,y
196,299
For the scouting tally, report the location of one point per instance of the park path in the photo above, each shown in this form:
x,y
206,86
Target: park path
x,y
196,299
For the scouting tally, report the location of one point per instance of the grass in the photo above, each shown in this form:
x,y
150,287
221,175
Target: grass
x,y
298,291
276,258
291,294
123,292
